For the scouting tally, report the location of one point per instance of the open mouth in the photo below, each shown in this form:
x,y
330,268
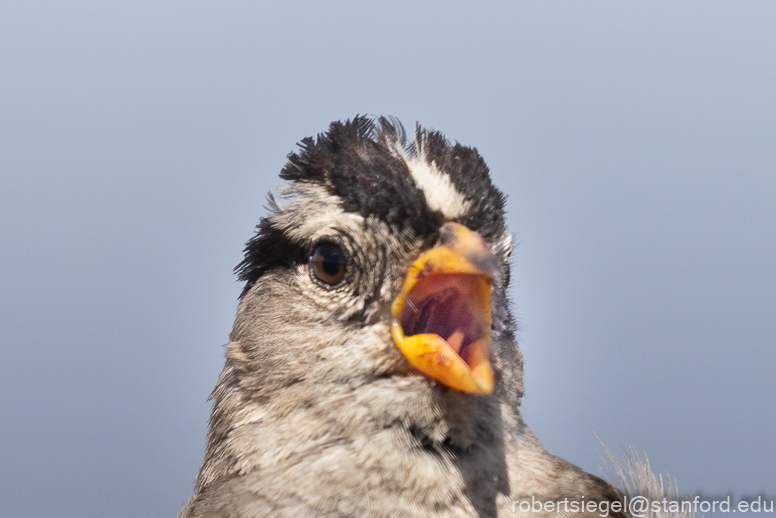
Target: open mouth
x,y
440,305
441,319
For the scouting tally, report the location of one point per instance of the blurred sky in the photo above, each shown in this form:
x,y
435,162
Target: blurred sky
x,y
138,140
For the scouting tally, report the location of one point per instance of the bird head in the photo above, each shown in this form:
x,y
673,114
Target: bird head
x,y
381,268
372,363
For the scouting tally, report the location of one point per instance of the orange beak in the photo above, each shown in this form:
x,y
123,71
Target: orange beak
x,y
441,318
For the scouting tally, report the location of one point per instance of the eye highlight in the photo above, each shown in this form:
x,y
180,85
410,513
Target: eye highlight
x,y
328,265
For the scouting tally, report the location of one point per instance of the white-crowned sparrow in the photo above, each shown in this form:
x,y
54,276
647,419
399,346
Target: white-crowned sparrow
x,y
372,368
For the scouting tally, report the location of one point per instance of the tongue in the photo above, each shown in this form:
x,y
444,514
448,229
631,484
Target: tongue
x,y
455,340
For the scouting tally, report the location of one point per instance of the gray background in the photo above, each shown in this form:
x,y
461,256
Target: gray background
x,y
636,142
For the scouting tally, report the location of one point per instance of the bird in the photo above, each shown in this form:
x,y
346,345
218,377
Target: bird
x,y
373,368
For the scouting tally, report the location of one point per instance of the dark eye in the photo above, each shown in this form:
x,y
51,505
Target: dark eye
x,y
328,264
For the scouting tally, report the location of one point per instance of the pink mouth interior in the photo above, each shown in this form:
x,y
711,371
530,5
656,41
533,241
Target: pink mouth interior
x,y
443,309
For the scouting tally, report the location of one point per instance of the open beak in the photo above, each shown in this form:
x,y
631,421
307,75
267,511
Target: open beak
x,y
441,318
